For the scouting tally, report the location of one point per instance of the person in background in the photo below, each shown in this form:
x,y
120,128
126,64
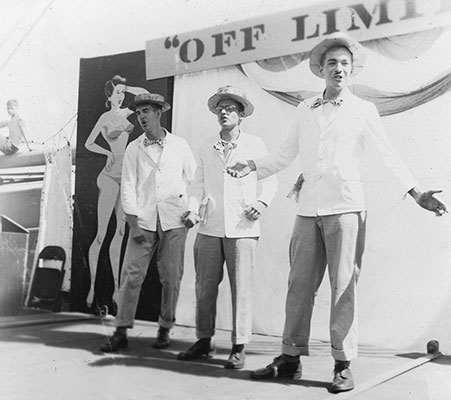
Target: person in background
x,y
156,170
17,131
329,134
228,211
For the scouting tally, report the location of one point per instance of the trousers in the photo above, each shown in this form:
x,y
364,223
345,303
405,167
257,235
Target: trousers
x,y
210,253
170,247
338,242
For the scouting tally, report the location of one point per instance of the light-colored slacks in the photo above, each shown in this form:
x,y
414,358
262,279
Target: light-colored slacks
x,y
170,247
210,253
337,241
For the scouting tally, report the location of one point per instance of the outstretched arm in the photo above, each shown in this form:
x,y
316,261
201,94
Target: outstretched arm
x,y
427,201
276,160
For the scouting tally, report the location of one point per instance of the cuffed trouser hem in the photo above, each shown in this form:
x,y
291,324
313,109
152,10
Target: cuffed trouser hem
x,y
204,335
165,324
344,355
295,350
123,324
240,340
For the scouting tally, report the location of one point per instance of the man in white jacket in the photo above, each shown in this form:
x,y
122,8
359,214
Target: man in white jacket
x,y
228,210
156,169
329,133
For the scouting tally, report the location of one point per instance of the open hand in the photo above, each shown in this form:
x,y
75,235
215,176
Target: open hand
x,y
240,169
430,203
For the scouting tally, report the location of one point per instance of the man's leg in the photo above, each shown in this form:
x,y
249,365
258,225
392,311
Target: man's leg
x,y
170,260
136,263
240,261
308,264
345,241
209,266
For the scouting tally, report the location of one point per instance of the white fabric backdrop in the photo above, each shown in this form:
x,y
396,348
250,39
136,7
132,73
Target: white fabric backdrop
x,y
405,286
56,207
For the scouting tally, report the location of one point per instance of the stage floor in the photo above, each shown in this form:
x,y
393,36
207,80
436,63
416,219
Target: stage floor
x,y
55,356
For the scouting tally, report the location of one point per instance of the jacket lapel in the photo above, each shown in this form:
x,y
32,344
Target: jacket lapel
x,y
145,151
338,111
166,149
327,121
236,153
218,152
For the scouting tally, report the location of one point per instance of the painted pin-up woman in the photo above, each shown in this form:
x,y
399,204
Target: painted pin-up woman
x,y
115,128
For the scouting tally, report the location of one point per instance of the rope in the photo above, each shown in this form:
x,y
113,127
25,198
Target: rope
x,y
26,35
73,130
59,131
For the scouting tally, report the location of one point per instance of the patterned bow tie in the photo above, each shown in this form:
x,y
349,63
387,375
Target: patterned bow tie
x,y
150,142
319,102
221,145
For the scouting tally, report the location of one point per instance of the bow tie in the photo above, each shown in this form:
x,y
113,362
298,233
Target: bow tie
x,y
220,145
150,142
319,102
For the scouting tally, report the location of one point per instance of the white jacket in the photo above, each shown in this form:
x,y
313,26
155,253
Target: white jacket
x,y
330,150
149,188
221,198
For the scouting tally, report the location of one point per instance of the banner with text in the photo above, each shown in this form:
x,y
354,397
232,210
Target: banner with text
x,y
290,32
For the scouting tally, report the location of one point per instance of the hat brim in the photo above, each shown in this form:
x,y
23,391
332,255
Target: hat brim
x,y
164,106
213,101
358,55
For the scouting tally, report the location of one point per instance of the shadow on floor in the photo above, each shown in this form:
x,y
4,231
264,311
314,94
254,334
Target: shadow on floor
x,y
140,352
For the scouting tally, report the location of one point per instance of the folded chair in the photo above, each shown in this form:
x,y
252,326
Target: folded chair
x,y
47,279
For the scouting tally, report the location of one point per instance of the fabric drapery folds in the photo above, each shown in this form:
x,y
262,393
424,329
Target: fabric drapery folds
x,y
418,55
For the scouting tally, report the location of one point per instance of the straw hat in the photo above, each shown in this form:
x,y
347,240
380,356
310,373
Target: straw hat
x,y
334,40
149,98
234,93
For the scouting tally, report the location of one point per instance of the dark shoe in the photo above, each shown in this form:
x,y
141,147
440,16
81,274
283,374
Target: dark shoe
x,y
202,348
236,359
115,342
279,368
343,380
162,338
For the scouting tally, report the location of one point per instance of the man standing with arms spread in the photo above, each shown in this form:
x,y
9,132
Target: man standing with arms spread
x,y
329,134
228,210
156,169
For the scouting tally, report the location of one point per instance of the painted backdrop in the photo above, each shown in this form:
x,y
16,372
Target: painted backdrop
x,y
105,127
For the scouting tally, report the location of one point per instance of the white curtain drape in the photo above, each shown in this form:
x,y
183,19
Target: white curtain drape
x,y
401,72
56,206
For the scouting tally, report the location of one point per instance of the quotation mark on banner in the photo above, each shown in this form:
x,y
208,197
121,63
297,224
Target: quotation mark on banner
x,y
168,43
